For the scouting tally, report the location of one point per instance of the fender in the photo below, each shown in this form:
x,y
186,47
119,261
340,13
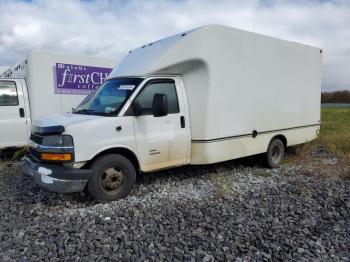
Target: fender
x,y
117,146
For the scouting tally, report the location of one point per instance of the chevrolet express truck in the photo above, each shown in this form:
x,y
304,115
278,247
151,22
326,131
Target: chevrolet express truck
x,y
203,96
45,82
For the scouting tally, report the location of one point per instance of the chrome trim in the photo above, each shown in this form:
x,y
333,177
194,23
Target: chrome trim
x,y
51,149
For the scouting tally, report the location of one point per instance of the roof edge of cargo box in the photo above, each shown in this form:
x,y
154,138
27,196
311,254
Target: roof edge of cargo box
x,y
157,58
142,61
12,71
45,51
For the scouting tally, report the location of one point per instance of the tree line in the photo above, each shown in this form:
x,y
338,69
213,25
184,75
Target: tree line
x,y
336,97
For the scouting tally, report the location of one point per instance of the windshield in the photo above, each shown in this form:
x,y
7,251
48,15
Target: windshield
x,y
109,98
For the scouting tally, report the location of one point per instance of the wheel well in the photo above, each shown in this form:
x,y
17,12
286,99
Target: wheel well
x,y
121,151
283,139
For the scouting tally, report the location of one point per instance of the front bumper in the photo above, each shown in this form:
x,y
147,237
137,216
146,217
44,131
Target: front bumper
x,y
56,178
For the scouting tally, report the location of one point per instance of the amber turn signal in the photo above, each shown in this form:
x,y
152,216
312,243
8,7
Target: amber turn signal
x,y
56,157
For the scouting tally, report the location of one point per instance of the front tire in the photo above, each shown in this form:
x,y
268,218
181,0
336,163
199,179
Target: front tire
x,y
275,153
113,177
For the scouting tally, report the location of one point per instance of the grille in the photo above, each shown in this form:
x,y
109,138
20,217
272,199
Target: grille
x,y
32,151
36,139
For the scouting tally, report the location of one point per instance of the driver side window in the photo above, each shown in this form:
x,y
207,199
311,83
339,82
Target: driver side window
x,y
8,93
145,98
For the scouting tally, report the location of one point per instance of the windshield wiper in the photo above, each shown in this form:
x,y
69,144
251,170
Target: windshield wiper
x,y
92,112
82,111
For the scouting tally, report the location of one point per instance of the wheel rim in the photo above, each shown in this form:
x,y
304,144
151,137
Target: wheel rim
x,y
276,154
113,179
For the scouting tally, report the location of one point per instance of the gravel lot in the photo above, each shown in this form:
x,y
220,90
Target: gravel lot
x,y
213,213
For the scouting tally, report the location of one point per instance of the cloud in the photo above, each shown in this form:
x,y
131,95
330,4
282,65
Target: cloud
x,y
111,28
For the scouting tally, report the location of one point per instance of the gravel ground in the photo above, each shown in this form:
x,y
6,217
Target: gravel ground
x,y
222,212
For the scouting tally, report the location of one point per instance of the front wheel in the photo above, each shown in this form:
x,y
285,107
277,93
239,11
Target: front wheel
x,y
275,153
113,177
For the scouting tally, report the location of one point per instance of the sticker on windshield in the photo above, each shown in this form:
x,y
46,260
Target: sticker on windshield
x,y
110,109
126,87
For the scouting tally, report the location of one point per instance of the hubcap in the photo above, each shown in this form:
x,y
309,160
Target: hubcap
x,y
112,179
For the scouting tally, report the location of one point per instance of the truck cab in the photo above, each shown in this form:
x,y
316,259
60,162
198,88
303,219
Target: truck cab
x,y
129,125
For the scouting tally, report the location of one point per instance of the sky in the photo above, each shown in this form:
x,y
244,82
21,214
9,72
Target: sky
x,y
110,28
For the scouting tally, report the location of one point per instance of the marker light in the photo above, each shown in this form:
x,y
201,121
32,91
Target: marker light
x,y
56,157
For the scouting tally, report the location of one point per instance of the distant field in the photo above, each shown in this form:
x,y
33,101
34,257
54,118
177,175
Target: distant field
x,y
335,129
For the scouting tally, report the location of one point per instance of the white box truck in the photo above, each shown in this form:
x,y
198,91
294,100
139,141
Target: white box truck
x,y
45,82
204,96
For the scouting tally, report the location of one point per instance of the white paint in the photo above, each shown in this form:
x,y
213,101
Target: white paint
x,y
207,153
236,81
15,130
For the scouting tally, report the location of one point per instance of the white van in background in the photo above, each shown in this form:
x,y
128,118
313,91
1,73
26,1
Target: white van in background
x,y
203,96
45,82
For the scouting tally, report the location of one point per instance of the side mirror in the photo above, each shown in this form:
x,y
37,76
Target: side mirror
x,y
136,108
160,105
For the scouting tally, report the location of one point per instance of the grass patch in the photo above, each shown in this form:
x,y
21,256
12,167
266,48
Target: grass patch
x,y
335,130
13,154
334,138
334,133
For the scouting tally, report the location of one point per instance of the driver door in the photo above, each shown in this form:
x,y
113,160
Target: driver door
x,y
13,123
163,141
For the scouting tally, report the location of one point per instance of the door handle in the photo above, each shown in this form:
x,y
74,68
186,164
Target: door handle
x,y
21,112
182,121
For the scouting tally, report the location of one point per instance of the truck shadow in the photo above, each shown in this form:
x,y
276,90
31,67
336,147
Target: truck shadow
x,y
186,172
22,189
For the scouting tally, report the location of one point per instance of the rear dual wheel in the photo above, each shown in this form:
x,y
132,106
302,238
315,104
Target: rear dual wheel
x,y
275,153
113,177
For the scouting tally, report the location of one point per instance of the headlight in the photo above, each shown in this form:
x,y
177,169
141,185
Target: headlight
x,y
56,148
58,141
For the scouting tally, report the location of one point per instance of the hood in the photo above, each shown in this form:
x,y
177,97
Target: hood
x,y
64,120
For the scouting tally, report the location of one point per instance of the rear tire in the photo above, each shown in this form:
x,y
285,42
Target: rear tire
x,y
275,153
113,177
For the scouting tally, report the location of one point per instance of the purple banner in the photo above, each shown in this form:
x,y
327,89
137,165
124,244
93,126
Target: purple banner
x,y
78,79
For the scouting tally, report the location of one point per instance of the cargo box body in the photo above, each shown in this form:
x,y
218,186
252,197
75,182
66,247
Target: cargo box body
x,y
242,88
